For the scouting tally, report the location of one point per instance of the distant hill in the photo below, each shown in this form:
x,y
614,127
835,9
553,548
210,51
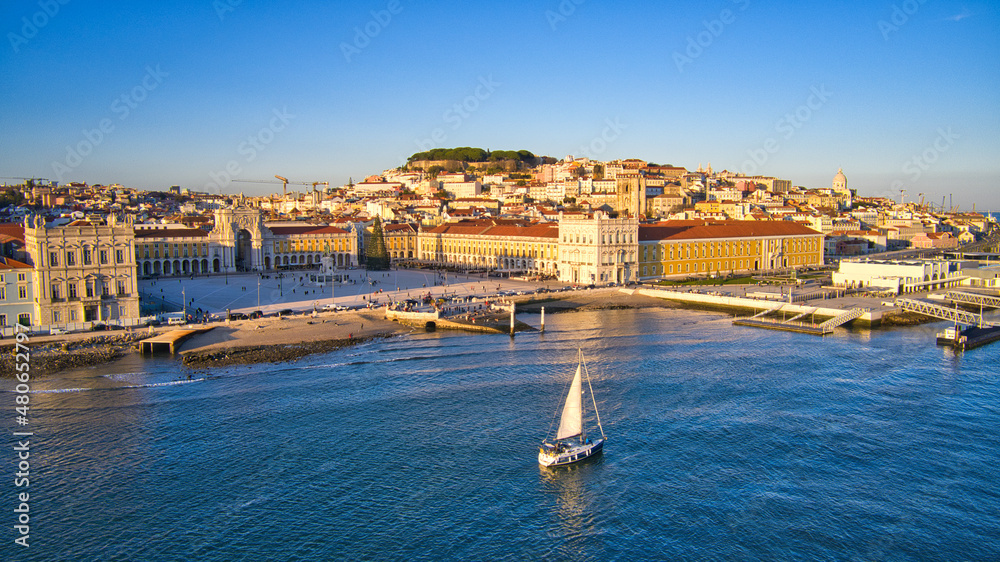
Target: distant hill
x,y
468,154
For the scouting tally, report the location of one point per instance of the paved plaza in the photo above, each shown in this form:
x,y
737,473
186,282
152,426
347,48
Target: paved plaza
x,y
298,291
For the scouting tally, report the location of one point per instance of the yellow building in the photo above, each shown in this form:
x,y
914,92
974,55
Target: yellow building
x,y
240,241
400,240
509,246
724,247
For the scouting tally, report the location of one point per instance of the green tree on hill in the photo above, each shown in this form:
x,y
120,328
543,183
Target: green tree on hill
x,y
470,154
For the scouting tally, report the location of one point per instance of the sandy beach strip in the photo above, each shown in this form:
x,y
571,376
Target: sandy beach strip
x,y
285,338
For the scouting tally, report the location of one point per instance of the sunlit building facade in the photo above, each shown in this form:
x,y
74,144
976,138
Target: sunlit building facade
x,y
726,247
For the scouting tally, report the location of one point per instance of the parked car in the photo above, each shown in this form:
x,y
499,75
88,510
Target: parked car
x,y
286,312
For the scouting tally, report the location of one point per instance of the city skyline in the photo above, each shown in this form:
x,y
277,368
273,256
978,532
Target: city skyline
x,y
899,95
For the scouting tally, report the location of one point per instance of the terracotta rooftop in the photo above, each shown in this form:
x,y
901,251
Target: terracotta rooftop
x,y
8,263
170,233
14,230
293,230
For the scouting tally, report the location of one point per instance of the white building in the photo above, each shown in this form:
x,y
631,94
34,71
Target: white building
x,y
898,276
598,249
459,189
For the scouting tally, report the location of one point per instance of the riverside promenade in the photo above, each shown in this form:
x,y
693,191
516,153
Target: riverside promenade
x,y
300,291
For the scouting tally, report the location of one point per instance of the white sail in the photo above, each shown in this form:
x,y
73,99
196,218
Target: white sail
x,y
571,423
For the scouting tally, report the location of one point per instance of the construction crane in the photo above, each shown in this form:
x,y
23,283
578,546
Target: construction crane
x,y
26,179
285,182
284,186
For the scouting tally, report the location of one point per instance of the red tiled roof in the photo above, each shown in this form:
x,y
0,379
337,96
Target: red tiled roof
x,y
14,230
498,227
398,227
7,263
170,233
532,231
312,229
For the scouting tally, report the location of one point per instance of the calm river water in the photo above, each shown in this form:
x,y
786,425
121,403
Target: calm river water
x,y
725,443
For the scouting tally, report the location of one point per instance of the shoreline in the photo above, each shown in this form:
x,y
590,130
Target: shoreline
x,y
281,339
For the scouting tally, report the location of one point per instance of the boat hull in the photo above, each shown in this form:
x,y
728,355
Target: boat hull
x,y
549,458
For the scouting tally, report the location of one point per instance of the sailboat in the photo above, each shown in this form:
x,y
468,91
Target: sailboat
x,y
571,443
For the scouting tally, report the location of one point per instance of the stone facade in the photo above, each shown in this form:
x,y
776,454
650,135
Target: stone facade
x,y
84,271
509,247
683,248
241,241
598,249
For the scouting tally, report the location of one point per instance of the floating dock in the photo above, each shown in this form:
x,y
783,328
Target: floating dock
x,y
793,325
979,333
168,341
760,309
968,338
800,327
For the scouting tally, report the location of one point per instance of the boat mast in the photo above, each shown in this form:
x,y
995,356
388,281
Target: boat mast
x,y
592,398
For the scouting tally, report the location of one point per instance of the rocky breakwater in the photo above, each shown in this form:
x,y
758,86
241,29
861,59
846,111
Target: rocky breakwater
x,y
52,356
276,353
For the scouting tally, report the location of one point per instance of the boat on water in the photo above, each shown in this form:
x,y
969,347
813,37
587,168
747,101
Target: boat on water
x,y
571,443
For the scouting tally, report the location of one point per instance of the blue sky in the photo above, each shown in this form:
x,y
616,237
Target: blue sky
x,y
901,94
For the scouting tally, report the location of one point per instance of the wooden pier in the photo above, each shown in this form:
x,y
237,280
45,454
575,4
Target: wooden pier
x,y
168,341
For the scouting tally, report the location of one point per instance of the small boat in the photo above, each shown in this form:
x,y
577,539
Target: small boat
x,y
571,443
